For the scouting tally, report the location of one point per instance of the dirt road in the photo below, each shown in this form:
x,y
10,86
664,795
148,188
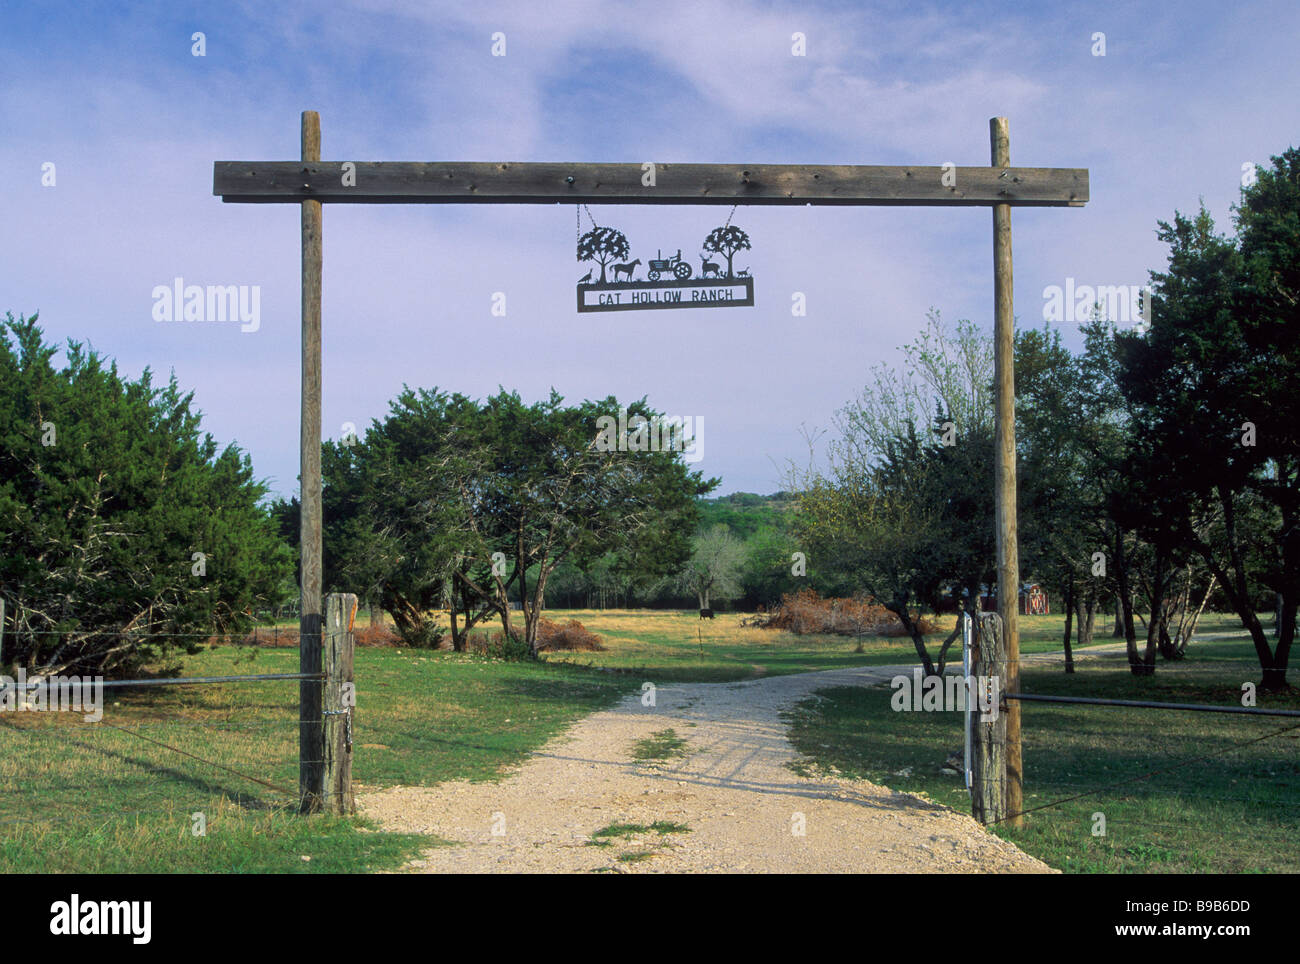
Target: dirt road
x,y
728,803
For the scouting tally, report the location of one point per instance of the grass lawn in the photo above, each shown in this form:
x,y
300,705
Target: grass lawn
x,y
681,647
121,795
1238,810
86,797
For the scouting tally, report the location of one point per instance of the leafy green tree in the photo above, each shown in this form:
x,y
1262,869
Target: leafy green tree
x,y
905,507
943,368
118,516
1071,438
746,514
568,587
714,569
867,522
483,501
767,574
1215,382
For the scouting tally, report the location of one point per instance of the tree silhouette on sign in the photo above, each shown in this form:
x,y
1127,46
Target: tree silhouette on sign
x,y
726,242
602,245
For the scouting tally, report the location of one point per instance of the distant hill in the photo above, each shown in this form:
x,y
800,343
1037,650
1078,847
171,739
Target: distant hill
x,y
746,514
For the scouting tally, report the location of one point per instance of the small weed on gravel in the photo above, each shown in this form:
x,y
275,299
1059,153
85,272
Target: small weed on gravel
x,y
663,745
635,856
660,827
605,836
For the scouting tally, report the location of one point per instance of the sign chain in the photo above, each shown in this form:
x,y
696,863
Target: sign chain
x,y
577,227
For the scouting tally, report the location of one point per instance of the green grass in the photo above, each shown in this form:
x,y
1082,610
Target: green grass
x,y
237,841
1237,811
660,827
670,646
661,745
605,836
665,645
636,856
102,797
85,797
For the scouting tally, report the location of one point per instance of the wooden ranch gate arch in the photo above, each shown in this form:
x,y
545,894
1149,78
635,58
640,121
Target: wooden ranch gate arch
x,y
312,182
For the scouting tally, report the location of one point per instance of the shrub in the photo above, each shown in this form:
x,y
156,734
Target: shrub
x,y
128,532
286,637
497,645
572,636
380,635
805,612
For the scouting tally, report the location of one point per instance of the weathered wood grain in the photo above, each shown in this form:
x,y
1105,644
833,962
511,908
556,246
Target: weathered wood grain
x,y
452,182
339,698
988,783
310,774
1004,480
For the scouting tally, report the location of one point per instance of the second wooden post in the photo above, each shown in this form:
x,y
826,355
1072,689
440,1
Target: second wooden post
x,y
338,700
988,782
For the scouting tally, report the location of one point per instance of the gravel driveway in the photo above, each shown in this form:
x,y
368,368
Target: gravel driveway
x,y
731,787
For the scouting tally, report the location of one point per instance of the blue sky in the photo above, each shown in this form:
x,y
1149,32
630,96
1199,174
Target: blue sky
x,y
111,94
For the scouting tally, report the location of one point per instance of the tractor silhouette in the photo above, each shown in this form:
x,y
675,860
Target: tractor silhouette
x,y
675,266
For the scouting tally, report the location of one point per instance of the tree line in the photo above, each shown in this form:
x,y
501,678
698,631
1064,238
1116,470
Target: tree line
x,y
449,503
1159,470
125,531
1158,467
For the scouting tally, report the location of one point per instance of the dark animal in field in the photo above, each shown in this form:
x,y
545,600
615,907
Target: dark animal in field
x,y
585,278
709,266
706,613
626,269
743,274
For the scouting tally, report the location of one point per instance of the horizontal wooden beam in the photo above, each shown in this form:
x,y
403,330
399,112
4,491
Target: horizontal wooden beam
x,y
452,182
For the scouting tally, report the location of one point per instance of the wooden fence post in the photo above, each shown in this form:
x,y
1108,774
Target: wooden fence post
x,y
1004,475
338,700
988,788
309,612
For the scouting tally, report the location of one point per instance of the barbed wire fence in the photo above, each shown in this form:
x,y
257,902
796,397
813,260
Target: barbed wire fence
x,y
1153,763
257,747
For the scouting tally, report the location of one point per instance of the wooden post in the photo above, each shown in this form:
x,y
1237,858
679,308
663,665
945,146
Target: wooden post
x,y
2,631
988,739
339,699
1004,427
310,746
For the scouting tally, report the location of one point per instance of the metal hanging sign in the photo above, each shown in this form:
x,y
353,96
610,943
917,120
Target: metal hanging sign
x,y
670,282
